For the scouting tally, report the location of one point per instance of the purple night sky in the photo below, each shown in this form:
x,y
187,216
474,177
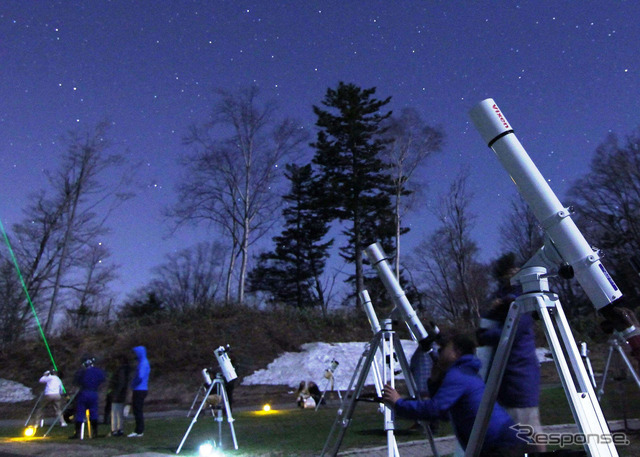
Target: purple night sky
x,y
564,73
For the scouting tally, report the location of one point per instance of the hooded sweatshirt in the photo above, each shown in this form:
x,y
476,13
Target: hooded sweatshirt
x,y
458,397
141,378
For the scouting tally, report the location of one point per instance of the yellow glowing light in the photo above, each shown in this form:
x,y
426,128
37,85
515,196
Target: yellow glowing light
x,y
29,431
266,408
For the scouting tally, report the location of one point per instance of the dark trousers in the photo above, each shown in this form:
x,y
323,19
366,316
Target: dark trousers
x,y
87,399
137,403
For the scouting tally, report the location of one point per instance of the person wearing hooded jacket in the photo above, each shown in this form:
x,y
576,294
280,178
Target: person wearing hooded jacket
x,y
140,387
457,397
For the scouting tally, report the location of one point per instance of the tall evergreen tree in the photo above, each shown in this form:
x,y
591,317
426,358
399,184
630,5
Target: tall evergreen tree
x,y
356,182
291,274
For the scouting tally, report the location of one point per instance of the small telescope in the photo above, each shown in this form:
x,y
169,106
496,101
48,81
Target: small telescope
x,y
224,361
206,377
379,261
332,366
371,314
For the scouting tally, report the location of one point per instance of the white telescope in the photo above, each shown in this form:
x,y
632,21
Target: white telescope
x,y
224,361
371,314
379,262
206,377
566,239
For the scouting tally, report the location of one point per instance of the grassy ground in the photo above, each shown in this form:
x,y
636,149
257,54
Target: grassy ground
x,y
296,432
289,432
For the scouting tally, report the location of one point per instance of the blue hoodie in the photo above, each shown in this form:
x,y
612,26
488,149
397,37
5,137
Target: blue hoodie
x,y
141,377
459,397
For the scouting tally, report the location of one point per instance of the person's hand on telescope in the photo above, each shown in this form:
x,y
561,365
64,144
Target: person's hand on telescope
x,y
390,395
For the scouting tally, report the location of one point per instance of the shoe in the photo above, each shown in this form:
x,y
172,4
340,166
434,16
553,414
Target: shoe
x,y
135,435
64,424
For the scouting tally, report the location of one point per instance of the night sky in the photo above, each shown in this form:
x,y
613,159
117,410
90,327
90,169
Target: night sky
x,y
565,74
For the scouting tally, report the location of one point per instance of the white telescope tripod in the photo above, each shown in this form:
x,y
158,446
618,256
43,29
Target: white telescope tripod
x,y
329,385
217,386
388,346
575,379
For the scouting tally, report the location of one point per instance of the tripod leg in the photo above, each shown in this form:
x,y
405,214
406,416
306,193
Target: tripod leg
x,y
195,418
33,409
195,399
230,418
578,389
629,365
326,386
348,405
481,424
73,397
413,392
606,371
388,377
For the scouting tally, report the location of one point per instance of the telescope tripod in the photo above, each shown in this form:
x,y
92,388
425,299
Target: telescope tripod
x,y
391,350
575,380
615,346
221,391
328,386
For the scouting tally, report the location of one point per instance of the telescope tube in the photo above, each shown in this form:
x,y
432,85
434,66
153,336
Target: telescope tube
x,y
378,260
371,313
226,366
552,216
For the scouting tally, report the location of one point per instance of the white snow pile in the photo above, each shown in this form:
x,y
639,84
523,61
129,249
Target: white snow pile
x,y
12,392
314,358
311,362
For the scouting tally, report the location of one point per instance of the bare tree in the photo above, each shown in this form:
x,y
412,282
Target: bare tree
x,y
456,282
411,143
233,171
91,293
190,278
15,312
520,231
58,230
607,204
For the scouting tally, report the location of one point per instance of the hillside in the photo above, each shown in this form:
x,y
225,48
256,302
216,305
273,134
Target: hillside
x,y
180,346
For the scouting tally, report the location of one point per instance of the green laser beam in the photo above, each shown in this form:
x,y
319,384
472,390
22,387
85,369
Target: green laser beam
x,y
24,287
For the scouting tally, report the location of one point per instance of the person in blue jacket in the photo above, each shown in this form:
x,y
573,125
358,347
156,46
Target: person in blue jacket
x,y
140,387
457,397
88,379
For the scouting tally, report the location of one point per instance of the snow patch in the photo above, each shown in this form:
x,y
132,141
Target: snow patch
x,y
314,358
13,392
311,362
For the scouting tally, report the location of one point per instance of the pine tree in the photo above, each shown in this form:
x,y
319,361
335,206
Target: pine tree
x,y
355,181
291,274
